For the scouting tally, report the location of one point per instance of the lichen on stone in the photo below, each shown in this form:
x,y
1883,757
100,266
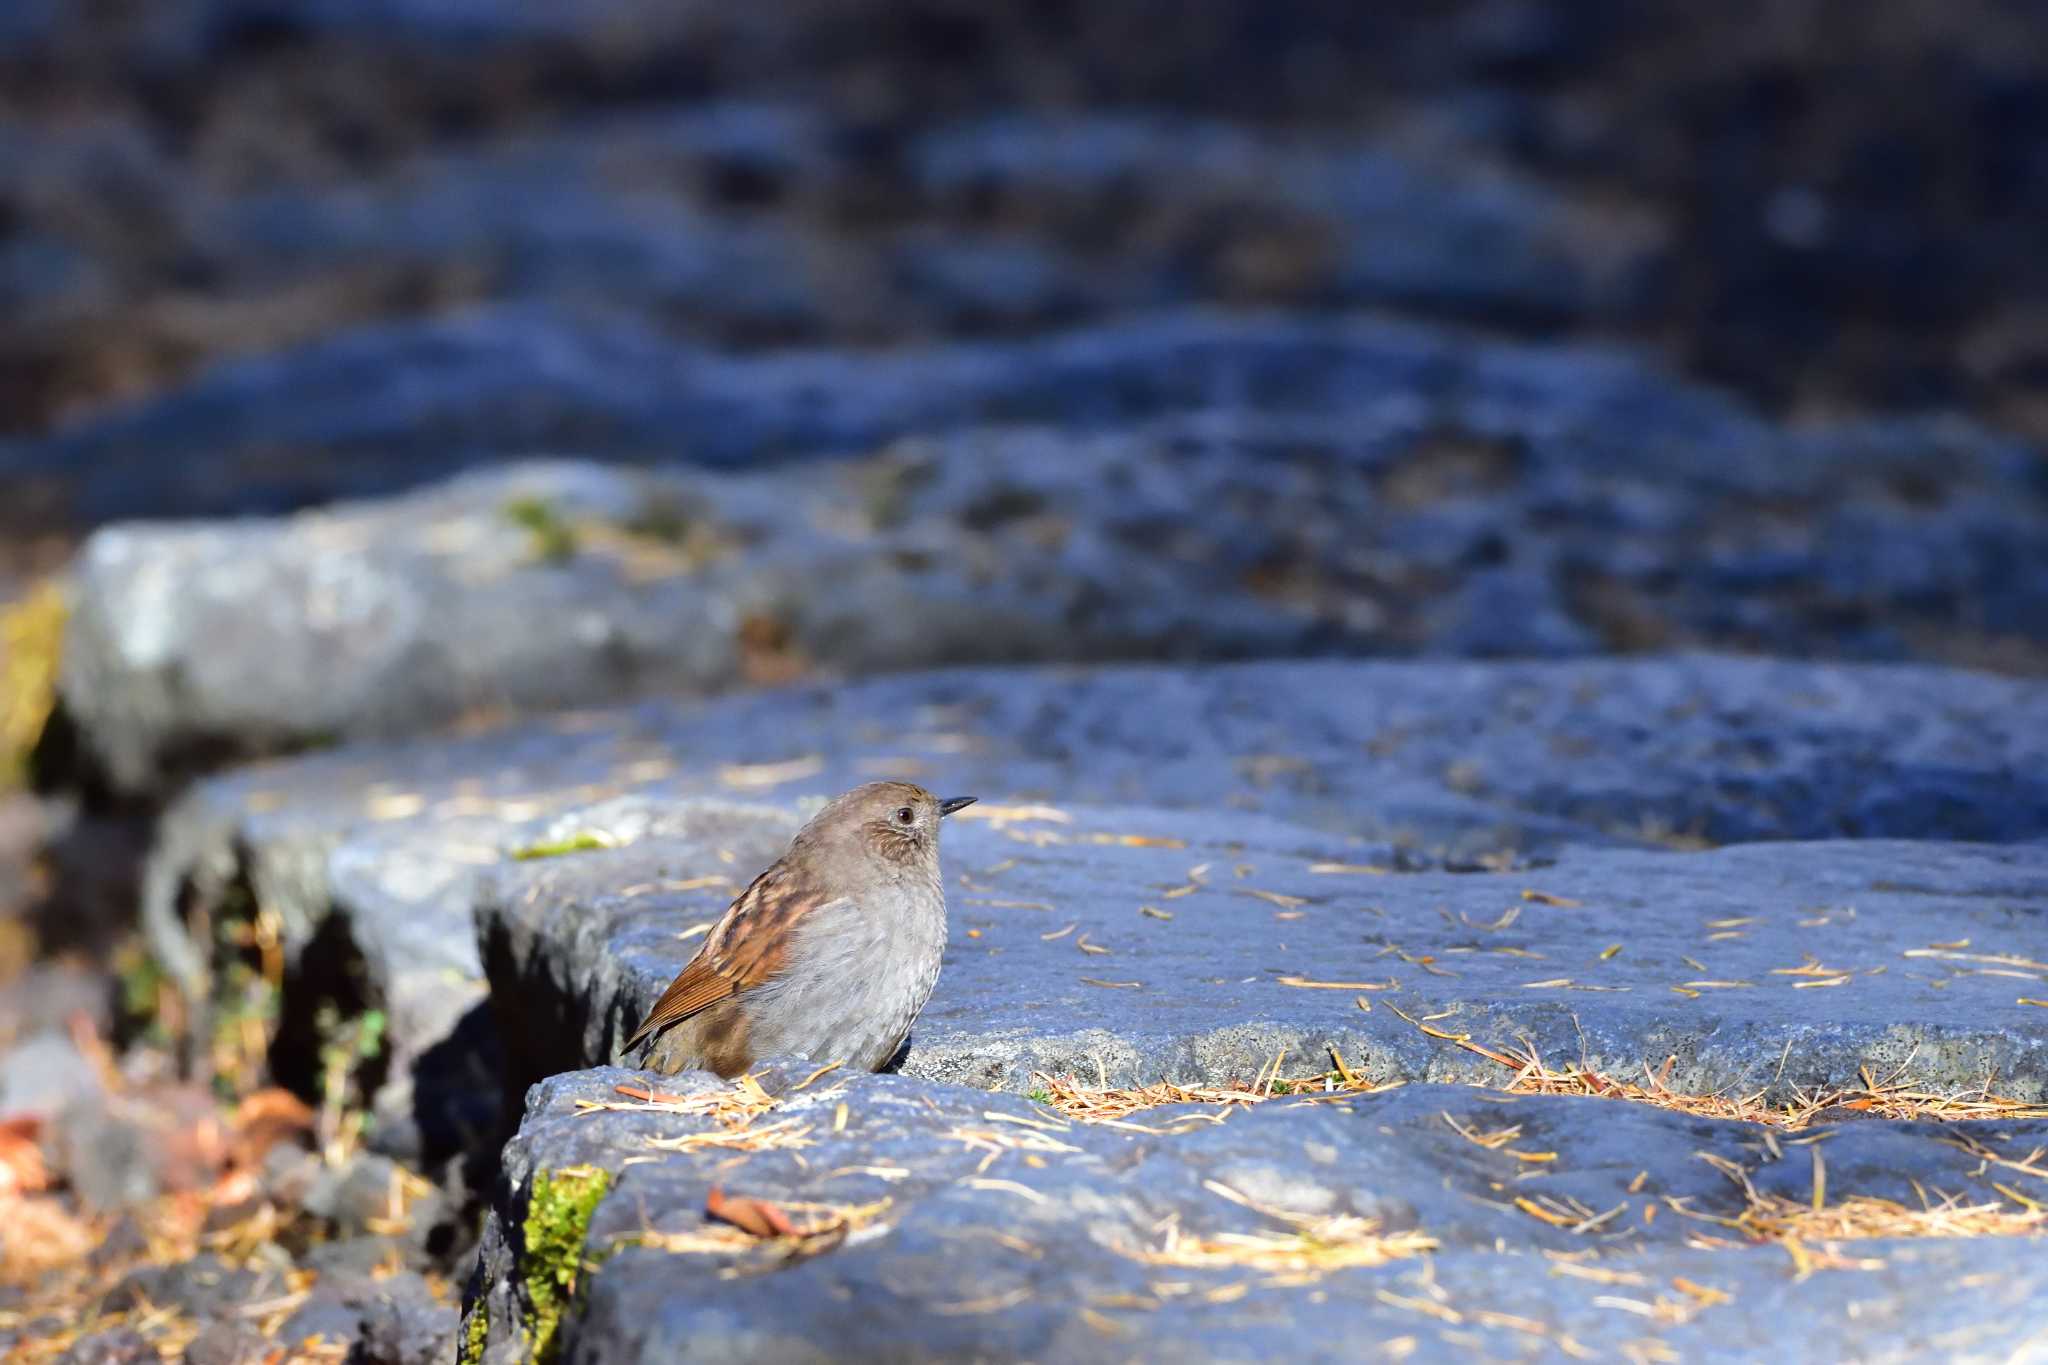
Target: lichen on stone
x,y
583,841
476,1332
31,644
557,1217
554,539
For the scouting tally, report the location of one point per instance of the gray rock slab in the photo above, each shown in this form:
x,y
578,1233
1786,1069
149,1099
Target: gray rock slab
x,y
1773,968
1697,748
382,847
633,214
373,409
42,1074
1010,1234
633,225
188,644
1205,489
410,400
1381,228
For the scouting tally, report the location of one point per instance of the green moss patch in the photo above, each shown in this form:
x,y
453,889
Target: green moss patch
x,y
31,644
554,539
476,1332
583,841
557,1217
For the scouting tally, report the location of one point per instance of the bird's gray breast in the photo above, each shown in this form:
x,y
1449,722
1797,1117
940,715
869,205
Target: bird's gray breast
x,y
858,974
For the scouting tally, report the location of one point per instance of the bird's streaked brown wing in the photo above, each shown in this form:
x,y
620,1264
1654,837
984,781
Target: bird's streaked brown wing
x,y
745,948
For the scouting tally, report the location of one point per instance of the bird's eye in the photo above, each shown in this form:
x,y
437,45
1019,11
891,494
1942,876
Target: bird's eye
x,y
905,816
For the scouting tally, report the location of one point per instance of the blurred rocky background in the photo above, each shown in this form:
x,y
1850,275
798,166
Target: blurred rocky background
x,y
399,384
1827,208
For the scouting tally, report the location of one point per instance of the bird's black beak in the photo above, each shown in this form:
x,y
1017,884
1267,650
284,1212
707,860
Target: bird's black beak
x,y
953,803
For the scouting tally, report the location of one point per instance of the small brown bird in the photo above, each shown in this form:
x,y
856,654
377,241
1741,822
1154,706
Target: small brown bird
x,y
830,954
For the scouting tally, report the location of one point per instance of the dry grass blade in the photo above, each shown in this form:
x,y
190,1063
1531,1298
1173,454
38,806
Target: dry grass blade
x,y
1864,1216
993,1142
1305,984
1498,1140
31,643
1562,1265
1000,815
813,1228
71,1268
1005,1140
734,1108
1532,1075
1109,1104
783,1136
1768,1217
2030,1164
1310,1245
757,1217
741,1102
760,776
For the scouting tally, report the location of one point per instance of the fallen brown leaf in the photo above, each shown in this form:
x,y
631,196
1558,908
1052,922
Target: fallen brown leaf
x,y
41,1235
757,1217
264,1119
21,1162
641,1092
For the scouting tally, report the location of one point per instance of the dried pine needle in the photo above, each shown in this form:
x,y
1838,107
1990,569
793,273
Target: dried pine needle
x,y
1882,1099
813,1223
1769,1217
1110,1104
1304,1245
